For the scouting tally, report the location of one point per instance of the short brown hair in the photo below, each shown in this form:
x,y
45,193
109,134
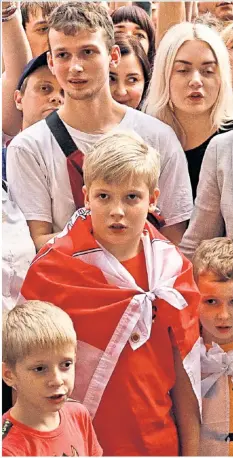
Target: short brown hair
x,y
32,8
214,255
72,17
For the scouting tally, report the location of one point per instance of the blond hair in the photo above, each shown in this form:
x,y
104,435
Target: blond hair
x,y
214,255
157,102
120,156
34,325
71,17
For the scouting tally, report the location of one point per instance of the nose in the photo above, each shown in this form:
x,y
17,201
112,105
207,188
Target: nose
x,y
56,98
76,65
120,90
196,80
224,312
56,379
117,210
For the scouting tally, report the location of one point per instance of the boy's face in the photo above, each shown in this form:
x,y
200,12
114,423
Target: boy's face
x,y
42,95
216,308
37,32
81,62
44,380
119,213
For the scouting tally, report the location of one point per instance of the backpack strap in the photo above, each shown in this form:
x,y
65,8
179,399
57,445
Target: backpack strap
x,y
61,133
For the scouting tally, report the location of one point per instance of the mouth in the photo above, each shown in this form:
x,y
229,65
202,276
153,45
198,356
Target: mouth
x,y
117,226
223,4
56,398
196,96
77,81
50,109
224,329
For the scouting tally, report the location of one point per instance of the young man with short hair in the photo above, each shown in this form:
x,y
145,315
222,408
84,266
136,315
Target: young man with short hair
x,y
81,37
35,22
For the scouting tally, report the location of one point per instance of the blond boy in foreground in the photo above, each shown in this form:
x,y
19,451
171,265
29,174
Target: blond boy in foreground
x,y
133,301
39,352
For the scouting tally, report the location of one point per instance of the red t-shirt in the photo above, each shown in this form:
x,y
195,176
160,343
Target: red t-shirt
x,y
74,436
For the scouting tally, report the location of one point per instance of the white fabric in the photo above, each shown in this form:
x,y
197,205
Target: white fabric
x,y
138,316
163,263
17,251
39,181
212,215
214,364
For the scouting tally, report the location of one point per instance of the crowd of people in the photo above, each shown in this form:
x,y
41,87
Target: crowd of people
x,y
117,192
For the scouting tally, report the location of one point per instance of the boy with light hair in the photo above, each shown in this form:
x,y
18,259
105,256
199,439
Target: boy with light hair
x,y
133,301
39,352
213,270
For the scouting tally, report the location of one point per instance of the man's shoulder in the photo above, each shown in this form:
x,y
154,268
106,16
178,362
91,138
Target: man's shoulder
x,y
152,130
138,117
37,133
13,440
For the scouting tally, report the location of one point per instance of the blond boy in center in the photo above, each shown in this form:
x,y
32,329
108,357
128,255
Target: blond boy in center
x,y
133,301
39,353
213,270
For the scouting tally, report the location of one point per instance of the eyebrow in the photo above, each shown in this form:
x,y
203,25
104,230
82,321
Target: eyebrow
x,y
122,26
180,61
40,23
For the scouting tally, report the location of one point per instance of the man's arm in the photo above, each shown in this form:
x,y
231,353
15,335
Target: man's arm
x,y
174,233
16,54
185,409
41,232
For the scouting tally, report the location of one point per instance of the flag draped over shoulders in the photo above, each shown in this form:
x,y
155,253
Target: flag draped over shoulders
x,y
125,335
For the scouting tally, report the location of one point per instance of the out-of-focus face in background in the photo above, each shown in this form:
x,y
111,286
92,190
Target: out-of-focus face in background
x,y
222,10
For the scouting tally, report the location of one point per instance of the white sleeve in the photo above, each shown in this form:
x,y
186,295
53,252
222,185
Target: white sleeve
x,y
28,183
175,200
206,221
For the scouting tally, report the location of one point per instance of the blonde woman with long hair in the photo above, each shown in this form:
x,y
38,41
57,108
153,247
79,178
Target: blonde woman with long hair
x,y
191,89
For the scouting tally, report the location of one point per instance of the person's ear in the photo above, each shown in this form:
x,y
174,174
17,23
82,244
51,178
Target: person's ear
x,y
86,198
8,375
153,200
115,57
50,62
18,100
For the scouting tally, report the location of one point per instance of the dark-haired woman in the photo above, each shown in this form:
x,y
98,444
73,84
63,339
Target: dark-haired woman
x,y
133,20
130,79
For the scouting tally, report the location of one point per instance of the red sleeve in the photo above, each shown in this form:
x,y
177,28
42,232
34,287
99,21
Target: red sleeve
x,y
94,448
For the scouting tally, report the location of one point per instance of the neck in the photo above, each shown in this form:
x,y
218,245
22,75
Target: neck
x,y
197,129
34,418
96,116
209,338
123,252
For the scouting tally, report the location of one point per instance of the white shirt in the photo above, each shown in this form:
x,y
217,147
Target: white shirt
x,y
39,181
17,251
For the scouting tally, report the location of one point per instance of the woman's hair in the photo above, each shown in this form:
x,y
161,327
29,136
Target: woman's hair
x,y
119,156
157,100
216,256
32,326
131,45
138,16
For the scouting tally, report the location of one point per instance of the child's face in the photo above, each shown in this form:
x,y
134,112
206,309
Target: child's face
x,y
119,213
216,308
45,380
